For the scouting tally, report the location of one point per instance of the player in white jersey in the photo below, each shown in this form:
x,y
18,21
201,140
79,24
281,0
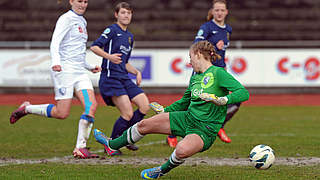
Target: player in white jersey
x,y
69,74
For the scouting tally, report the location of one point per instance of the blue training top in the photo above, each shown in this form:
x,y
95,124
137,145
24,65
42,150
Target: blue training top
x,y
115,40
213,33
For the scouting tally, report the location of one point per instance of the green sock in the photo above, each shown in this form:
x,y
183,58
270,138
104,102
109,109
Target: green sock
x,y
119,142
171,163
166,167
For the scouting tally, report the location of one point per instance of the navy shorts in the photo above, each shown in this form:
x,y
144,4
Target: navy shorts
x,y
116,87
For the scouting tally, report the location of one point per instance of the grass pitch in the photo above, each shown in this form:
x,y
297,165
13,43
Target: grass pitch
x,y
292,131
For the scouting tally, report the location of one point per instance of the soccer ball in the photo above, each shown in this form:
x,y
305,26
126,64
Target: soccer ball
x,y
262,156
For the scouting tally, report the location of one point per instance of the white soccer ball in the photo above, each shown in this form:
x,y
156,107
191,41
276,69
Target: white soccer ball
x,y
262,156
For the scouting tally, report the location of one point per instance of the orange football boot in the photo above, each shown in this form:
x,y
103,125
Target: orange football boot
x,y
223,136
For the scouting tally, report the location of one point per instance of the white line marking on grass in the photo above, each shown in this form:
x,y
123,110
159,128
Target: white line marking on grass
x,y
152,143
140,145
264,135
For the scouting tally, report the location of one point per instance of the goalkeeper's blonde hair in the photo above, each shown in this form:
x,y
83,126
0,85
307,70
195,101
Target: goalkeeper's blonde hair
x,y
206,49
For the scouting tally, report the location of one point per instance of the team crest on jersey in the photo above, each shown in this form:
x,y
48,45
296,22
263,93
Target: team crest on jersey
x,y
207,80
200,32
107,31
62,90
80,29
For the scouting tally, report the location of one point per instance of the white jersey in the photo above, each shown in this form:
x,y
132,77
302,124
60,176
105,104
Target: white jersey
x,y
69,43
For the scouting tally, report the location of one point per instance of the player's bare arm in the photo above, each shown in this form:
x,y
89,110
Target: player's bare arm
x,y
139,78
134,71
115,58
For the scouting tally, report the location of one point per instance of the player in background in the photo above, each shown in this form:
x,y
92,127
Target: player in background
x,y
217,32
197,116
68,70
116,88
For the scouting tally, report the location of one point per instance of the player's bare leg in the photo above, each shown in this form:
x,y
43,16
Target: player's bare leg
x,y
89,104
59,111
188,146
171,140
141,100
123,103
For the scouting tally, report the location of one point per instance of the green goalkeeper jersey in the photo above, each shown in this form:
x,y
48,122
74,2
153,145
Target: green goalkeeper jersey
x,y
215,80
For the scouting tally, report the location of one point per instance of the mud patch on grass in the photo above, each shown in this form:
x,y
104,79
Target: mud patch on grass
x,y
291,161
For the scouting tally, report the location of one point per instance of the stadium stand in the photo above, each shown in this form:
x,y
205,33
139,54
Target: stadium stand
x,y
167,20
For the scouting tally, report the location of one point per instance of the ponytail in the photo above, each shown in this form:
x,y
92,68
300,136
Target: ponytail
x,y
206,49
210,16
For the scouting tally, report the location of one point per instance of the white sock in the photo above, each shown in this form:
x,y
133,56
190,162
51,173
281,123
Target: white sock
x,y
84,131
133,134
89,128
175,160
40,109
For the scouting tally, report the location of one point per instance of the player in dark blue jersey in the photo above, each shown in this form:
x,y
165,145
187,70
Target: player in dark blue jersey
x,y
116,88
217,32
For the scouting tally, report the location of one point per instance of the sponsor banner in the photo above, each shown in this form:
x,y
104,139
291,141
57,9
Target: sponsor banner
x,y
25,68
170,67
275,67
143,64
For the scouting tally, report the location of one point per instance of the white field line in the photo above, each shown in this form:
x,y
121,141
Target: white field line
x,y
140,145
301,161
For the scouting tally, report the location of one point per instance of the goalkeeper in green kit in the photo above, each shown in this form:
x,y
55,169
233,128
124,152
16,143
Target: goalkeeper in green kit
x,y
196,117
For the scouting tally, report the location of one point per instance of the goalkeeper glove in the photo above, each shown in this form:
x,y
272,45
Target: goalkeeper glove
x,y
156,107
219,101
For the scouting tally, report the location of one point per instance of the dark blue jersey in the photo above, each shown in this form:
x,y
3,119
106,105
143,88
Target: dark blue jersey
x,y
213,33
115,40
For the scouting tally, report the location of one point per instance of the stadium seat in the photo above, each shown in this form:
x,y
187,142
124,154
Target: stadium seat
x,y
171,20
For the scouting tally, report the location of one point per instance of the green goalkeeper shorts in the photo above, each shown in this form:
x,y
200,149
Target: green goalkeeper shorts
x,y
182,124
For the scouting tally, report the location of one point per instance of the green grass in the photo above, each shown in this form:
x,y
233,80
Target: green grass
x,y
292,131
121,172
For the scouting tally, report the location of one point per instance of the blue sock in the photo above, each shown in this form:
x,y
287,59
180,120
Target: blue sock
x,y
137,116
119,127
